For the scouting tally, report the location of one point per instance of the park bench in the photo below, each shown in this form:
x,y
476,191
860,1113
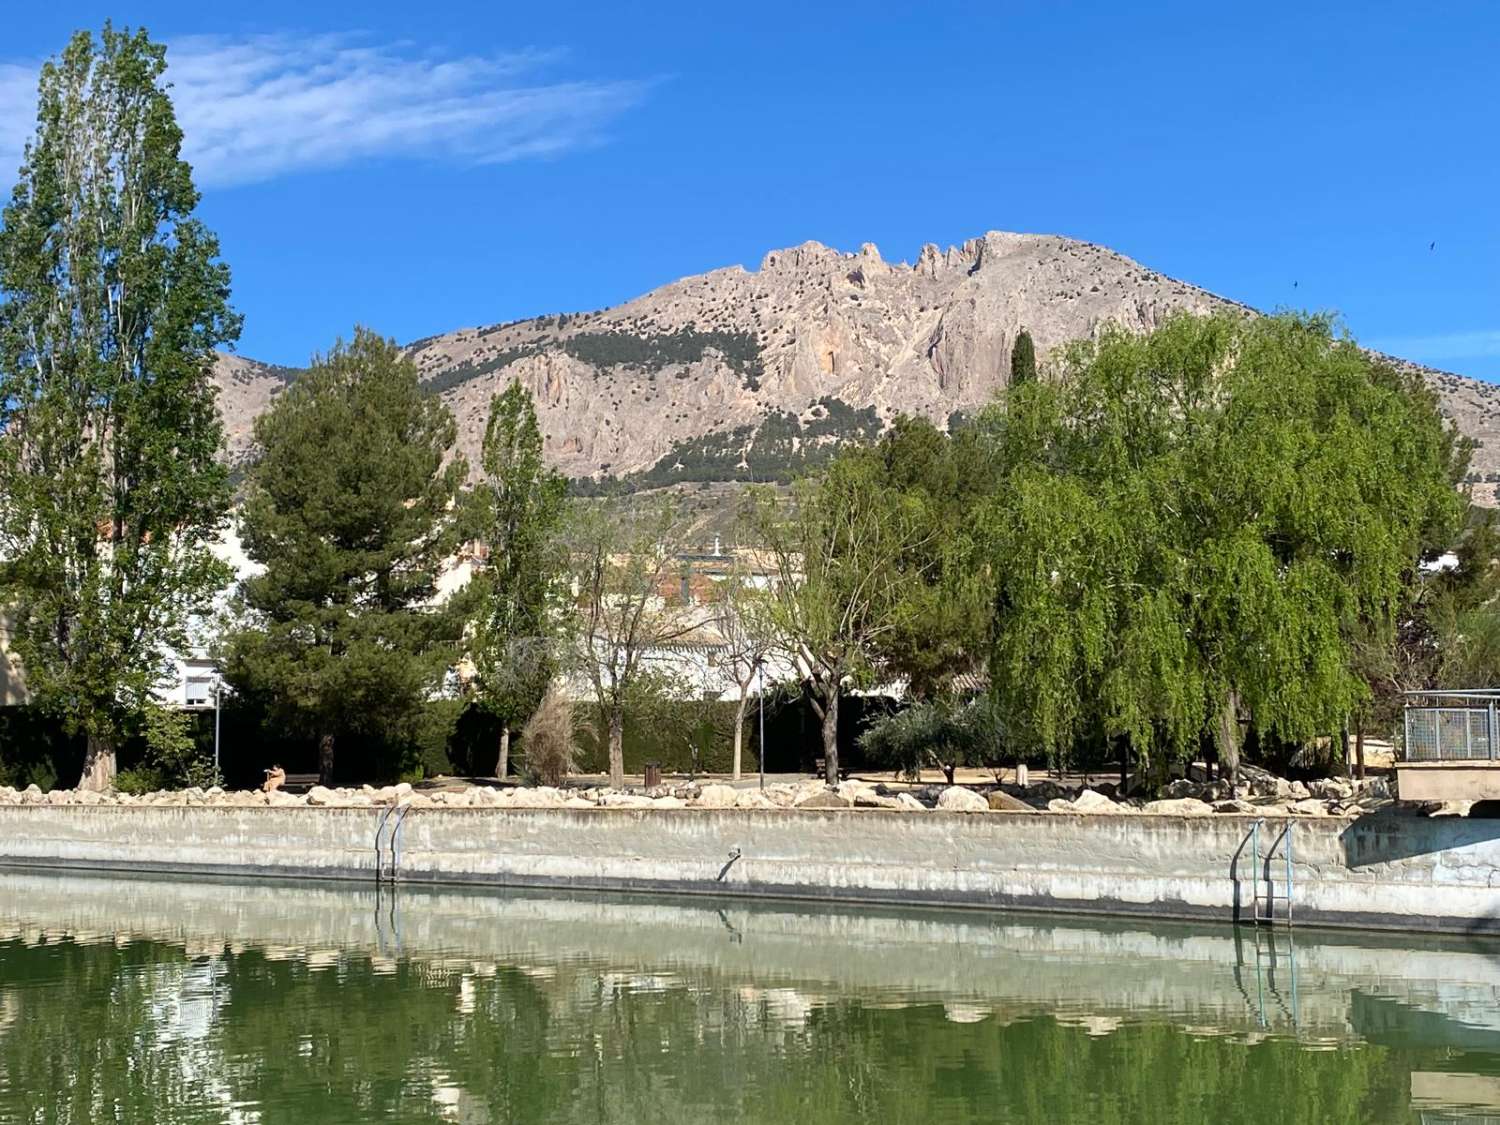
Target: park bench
x,y
820,769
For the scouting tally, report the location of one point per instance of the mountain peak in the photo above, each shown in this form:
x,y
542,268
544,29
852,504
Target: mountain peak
x,y
736,373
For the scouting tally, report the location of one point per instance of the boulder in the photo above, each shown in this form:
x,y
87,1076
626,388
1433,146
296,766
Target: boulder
x,y
869,799
1308,806
784,796
909,803
754,799
1003,802
1181,806
1057,804
626,801
579,803
825,799
717,797
668,802
59,797
1237,808
32,795
1331,789
1090,802
319,795
956,798
537,797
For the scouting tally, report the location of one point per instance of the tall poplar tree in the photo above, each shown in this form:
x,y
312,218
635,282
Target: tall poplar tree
x,y
518,511
112,301
350,511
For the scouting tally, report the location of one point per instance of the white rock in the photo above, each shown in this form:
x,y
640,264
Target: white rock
x,y
319,795
668,802
626,801
754,799
909,803
1180,806
579,803
1091,802
539,797
958,799
717,797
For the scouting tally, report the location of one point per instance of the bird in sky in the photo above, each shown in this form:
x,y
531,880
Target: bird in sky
x,y
1432,245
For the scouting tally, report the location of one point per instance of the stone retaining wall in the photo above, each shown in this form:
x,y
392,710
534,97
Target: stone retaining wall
x,y
1377,871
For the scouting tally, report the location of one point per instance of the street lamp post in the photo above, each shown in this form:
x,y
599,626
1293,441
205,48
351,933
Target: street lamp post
x,y
218,687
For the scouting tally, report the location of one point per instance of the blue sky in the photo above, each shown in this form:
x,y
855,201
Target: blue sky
x,y
420,167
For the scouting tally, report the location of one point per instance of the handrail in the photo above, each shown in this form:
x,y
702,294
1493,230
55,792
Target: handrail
x,y
379,829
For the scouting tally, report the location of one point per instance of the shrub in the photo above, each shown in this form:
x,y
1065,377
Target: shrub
x,y
549,740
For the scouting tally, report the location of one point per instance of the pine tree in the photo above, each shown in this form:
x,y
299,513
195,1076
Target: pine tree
x,y
1023,359
518,511
112,301
350,510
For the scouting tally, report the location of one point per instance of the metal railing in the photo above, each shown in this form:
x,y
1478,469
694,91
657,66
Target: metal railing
x,y
1451,726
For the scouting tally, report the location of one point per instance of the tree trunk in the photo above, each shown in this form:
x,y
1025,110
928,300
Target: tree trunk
x,y
1359,747
617,748
739,731
325,760
1229,739
98,764
502,767
831,734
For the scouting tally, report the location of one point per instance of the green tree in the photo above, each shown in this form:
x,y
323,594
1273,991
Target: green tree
x,y
946,732
948,593
1192,527
851,553
112,301
1023,359
518,512
350,510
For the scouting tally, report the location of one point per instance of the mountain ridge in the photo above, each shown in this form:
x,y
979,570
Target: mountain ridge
x,y
751,374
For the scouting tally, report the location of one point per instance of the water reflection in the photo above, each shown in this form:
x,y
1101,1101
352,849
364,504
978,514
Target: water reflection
x,y
175,1001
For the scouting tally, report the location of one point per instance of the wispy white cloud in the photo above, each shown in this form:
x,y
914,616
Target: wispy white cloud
x,y
254,109
1451,345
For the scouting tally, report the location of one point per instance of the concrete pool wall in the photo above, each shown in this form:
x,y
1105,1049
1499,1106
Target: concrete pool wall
x,y
1379,871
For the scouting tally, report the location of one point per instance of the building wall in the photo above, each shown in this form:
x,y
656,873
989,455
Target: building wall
x,y
1382,871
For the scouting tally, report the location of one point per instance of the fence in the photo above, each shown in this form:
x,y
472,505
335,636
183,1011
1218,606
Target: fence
x,y
1452,726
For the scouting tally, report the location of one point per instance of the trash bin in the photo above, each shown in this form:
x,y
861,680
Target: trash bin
x,y
653,774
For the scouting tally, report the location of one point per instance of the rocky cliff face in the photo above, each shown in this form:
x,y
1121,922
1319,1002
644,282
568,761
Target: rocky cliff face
x,y
739,373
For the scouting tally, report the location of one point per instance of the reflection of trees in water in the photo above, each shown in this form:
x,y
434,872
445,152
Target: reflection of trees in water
x,y
138,1033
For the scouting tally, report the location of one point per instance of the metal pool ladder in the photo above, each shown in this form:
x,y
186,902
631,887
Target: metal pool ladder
x,y
1263,909
381,870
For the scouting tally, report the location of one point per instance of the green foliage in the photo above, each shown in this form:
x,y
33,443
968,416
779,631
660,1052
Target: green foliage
x,y
517,512
350,511
947,732
112,302
777,450
1192,526
171,748
1023,359
944,629
648,352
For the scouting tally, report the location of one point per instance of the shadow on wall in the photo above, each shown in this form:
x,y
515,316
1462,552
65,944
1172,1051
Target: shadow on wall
x,y
1387,836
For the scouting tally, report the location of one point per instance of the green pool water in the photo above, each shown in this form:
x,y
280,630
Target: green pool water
x,y
136,1000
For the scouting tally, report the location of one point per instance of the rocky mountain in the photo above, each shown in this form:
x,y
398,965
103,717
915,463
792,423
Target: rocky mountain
x,y
739,374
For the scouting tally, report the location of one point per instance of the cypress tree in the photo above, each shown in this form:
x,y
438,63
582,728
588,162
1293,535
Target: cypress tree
x,y
1023,359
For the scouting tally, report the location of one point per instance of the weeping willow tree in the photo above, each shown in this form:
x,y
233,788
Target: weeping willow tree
x,y
1192,526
